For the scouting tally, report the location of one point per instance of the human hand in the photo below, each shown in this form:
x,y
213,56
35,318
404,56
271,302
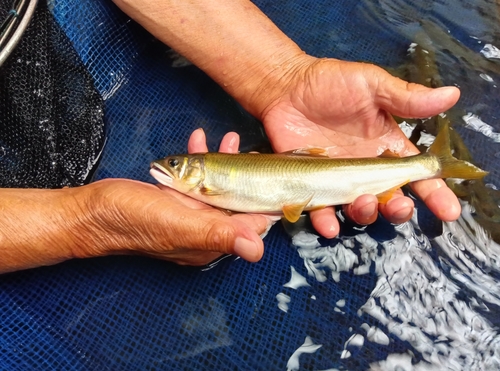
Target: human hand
x,y
345,107
302,101
160,222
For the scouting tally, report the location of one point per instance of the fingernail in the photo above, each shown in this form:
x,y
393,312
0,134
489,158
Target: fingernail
x,y
365,214
446,89
246,249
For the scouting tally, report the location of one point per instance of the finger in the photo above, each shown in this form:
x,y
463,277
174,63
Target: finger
x,y
230,143
412,100
199,258
439,198
185,257
237,235
325,222
197,142
364,209
398,209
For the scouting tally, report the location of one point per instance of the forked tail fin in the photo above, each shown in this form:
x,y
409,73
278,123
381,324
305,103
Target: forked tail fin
x,y
450,166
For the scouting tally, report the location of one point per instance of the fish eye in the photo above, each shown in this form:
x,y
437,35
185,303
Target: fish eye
x,y
173,162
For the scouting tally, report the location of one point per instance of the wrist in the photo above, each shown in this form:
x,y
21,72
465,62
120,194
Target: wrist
x,y
232,41
116,219
274,82
97,221
39,227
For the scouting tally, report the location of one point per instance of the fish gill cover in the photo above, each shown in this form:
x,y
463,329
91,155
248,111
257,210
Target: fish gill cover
x,y
420,296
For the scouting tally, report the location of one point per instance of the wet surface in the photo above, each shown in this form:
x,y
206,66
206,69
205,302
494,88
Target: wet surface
x,y
438,296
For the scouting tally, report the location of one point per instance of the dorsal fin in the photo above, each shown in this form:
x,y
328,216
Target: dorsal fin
x,y
310,152
441,145
389,154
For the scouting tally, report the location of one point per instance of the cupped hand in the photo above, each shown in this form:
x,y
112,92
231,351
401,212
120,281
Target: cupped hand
x,y
157,221
346,107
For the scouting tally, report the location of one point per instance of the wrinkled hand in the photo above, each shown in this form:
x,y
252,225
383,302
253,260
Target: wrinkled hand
x,y
159,222
346,107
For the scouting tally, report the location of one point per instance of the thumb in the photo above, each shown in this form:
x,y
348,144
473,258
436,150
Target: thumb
x,y
227,235
410,100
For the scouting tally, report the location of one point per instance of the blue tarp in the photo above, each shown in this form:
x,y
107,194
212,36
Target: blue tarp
x,y
376,297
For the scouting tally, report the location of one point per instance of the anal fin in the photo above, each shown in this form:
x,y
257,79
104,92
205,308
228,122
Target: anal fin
x,y
385,196
292,212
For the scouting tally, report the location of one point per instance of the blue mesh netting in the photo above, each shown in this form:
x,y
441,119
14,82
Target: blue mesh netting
x,y
376,298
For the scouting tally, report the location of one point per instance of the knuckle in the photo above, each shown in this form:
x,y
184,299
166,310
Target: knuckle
x,y
220,237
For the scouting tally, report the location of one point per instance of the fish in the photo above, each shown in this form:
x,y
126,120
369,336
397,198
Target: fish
x,y
422,68
439,39
304,179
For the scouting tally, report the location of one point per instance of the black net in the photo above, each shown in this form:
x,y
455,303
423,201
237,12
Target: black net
x,y
51,122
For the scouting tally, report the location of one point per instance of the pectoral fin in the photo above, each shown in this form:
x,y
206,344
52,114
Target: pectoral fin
x,y
292,212
384,197
210,191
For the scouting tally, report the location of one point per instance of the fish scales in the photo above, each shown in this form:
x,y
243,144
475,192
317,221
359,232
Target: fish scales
x,y
274,181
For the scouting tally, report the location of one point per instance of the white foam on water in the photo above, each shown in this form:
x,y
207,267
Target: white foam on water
x,y
297,280
486,77
490,51
283,301
322,262
375,335
305,240
426,139
401,362
293,363
345,354
473,122
355,341
411,48
407,128
418,300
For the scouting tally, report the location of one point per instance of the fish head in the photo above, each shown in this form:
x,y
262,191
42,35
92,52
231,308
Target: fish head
x,y
180,172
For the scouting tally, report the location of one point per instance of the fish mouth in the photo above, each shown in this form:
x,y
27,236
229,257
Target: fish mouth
x,y
161,174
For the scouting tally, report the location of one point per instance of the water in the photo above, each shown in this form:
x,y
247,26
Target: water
x,y
439,296
420,296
